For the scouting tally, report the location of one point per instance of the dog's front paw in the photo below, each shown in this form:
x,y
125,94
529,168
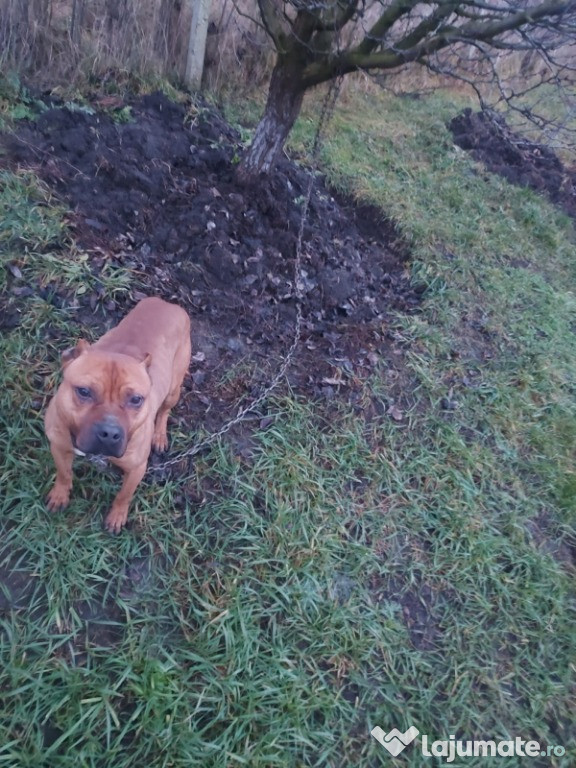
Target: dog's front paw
x,y
160,441
115,520
58,497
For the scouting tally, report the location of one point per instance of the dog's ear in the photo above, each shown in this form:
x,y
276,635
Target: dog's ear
x,y
147,360
71,354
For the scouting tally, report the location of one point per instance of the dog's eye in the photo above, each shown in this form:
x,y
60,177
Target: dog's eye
x,y
135,401
84,393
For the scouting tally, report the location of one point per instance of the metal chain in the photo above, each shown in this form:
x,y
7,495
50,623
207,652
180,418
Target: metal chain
x,y
325,116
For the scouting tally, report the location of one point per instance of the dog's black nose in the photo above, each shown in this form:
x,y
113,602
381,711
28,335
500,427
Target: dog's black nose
x,y
109,437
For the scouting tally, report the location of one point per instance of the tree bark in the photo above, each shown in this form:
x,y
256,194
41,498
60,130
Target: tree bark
x,y
283,105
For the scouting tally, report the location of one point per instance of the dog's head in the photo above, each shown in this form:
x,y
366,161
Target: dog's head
x,y
105,398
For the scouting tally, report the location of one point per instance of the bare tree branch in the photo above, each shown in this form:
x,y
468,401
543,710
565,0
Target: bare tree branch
x,y
420,44
273,23
386,35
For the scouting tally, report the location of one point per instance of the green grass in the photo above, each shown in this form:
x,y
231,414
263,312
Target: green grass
x,y
269,611
35,248
29,221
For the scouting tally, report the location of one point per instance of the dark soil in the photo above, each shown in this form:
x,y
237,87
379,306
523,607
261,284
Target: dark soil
x,y
518,160
156,195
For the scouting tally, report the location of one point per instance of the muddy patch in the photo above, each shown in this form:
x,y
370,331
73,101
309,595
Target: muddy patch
x,y
524,163
157,196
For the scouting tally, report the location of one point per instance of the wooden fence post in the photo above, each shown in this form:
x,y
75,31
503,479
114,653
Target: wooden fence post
x,y
197,43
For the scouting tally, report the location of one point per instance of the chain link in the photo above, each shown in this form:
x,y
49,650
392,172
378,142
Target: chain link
x,y
325,116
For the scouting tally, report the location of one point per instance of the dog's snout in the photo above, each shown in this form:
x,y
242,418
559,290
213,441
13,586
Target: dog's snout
x,y
108,432
108,437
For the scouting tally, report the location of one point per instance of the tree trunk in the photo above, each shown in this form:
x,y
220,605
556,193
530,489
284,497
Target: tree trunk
x,y
282,108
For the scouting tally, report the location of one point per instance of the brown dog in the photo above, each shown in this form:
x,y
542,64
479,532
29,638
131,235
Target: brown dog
x,y
115,399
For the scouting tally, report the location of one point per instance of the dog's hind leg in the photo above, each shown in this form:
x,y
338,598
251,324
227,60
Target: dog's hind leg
x,y
181,364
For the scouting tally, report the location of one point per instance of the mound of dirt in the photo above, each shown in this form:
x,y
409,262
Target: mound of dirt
x,y
518,160
156,194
